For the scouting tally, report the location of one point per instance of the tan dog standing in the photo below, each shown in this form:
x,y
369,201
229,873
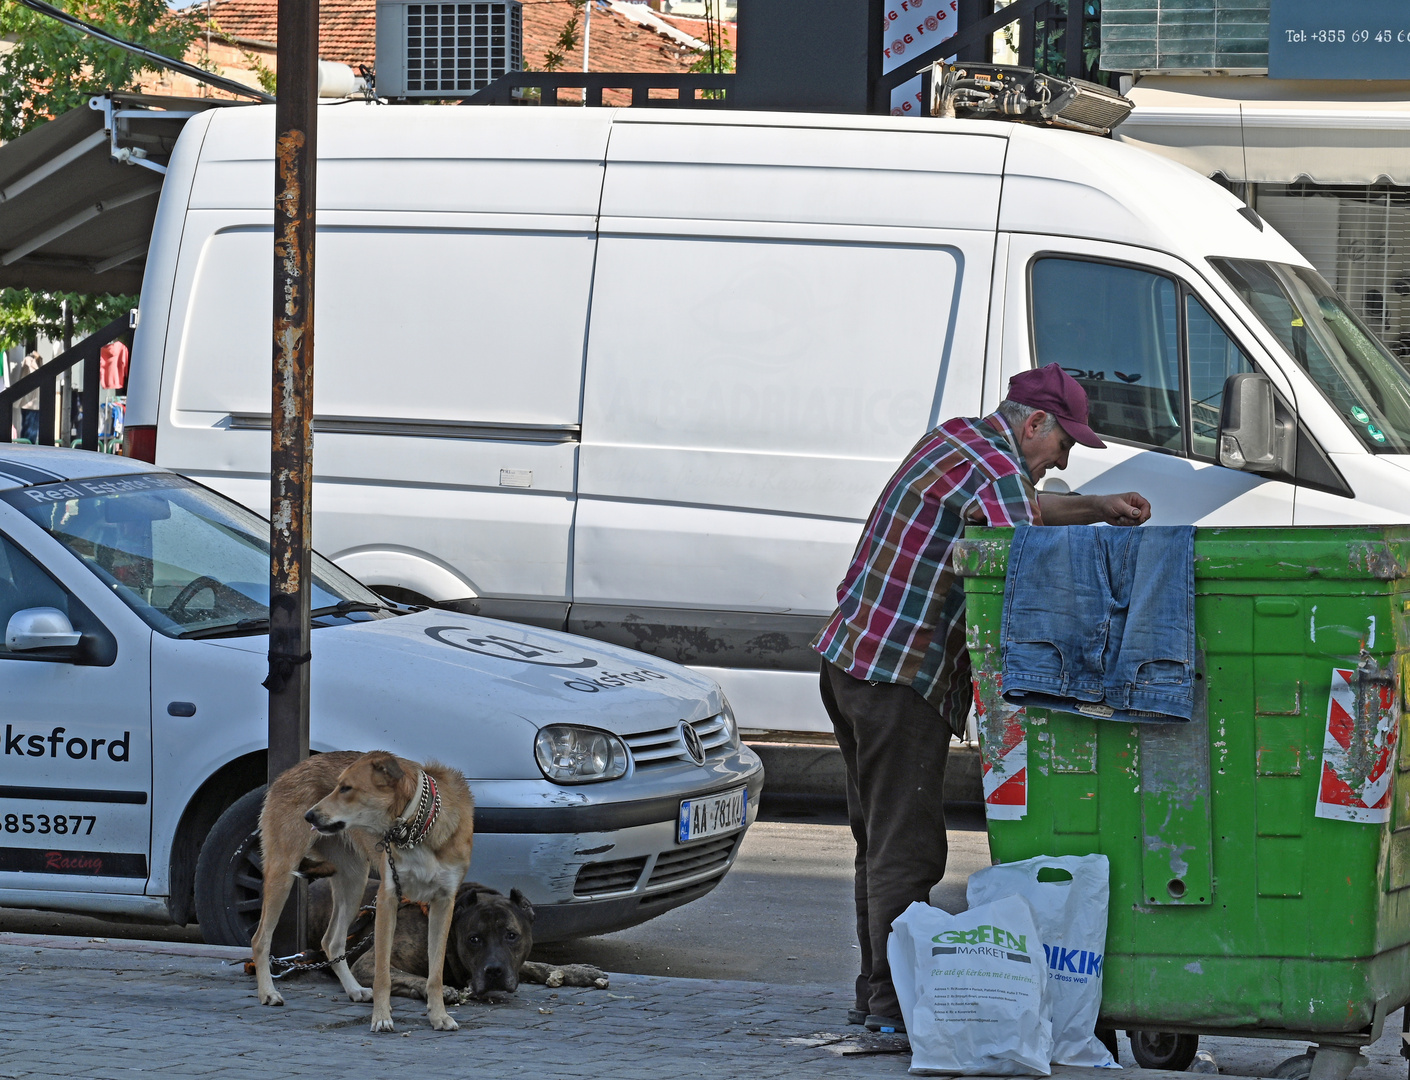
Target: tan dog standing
x,y
419,820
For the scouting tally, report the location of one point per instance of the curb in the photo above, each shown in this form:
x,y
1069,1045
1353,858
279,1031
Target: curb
x,y
128,945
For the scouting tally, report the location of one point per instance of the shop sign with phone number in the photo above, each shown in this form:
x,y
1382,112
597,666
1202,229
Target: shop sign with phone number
x,y
1312,39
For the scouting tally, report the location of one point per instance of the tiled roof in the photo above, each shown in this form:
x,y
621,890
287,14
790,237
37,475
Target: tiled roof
x,y
696,28
348,28
617,43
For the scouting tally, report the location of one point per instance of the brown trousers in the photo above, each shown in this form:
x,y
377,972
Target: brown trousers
x,y
894,744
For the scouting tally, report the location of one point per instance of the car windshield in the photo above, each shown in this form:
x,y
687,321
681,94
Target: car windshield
x,y
1356,373
190,562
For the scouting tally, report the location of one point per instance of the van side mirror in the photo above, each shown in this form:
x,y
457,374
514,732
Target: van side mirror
x,y
1251,437
40,628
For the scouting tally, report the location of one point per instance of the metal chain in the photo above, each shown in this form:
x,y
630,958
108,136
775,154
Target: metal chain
x,y
292,964
385,844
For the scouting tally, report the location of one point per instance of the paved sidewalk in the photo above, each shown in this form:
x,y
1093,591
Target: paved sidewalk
x,y
110,1009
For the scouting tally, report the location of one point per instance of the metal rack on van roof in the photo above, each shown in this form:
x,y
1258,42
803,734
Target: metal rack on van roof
x,y
1007,92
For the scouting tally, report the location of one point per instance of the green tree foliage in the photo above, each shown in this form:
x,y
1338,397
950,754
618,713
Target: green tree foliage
x,y
53,69
263,73
567,41
26,315
717,58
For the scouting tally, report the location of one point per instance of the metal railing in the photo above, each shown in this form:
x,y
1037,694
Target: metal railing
x,y
693,91
973,41
46,381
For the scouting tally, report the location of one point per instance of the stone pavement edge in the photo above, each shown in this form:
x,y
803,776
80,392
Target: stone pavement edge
x,y
103,1010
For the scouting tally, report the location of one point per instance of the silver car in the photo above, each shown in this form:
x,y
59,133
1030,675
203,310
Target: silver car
x,y
610,786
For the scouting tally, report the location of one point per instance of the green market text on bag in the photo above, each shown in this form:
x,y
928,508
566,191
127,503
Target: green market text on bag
x,y
971,989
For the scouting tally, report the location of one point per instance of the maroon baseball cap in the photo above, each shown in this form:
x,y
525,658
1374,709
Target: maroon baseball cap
x,y
1058,393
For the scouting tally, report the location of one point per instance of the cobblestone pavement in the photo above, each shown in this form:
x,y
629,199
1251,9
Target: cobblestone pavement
x,y
103,1010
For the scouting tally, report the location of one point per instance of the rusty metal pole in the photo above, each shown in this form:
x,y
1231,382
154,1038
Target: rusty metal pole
x,y
291,437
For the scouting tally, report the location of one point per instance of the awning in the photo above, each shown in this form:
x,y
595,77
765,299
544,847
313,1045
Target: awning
x,y
78,195
1278,132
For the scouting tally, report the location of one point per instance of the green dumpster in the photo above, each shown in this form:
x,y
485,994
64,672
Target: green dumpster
x,y
1260,855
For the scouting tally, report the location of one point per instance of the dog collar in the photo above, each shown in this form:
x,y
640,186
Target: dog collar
x,y
413,828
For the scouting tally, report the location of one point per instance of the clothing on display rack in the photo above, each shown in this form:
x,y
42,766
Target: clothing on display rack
x,y
112,365
110,418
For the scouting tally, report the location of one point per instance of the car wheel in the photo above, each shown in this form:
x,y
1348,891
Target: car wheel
x,y
230,874
1163,1050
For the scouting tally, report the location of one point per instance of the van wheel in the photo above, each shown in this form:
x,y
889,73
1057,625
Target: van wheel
x,y
230,874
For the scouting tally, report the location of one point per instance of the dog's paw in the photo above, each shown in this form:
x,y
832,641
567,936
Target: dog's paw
x,y
452,996
444,1023
584,975
361,993
554,980
380,1025
271,998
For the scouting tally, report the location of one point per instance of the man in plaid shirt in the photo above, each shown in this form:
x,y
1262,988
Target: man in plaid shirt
x,y
896,677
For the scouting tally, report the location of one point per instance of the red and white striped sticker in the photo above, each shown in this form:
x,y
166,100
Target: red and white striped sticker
x,y
1349,791
1005,771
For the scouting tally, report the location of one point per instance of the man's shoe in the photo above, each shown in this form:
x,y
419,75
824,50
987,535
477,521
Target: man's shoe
x,y
886,1024
857,1016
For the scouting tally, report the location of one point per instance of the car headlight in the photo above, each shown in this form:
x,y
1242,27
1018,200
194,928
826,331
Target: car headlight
x,y
731,725
568,754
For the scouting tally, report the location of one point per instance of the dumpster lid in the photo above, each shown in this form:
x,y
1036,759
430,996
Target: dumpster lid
x,y
1271,553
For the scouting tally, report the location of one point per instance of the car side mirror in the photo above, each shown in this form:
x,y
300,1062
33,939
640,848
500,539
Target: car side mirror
x,y
1251,437
40,628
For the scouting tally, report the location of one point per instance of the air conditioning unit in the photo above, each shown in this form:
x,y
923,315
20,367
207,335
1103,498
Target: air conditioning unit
x,y
446,50
1006,92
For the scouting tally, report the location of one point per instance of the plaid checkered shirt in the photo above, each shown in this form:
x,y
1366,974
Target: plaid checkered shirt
x,y
900,608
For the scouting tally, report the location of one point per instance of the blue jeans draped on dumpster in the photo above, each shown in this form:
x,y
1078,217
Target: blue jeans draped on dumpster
x,y
1101,621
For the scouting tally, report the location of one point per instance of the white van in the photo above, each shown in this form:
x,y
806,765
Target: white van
x,y
641,374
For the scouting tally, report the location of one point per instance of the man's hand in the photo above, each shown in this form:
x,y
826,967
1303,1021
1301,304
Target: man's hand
x,y
1127,509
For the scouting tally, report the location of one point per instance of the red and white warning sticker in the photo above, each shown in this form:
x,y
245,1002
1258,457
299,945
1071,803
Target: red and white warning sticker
x,y
1358,750
1004,757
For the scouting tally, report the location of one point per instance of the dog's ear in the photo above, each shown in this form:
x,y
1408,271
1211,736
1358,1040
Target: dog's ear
x,y
465,899
385,768
522,902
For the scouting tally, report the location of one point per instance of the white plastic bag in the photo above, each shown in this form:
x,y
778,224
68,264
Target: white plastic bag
x,y
1071,918
971,989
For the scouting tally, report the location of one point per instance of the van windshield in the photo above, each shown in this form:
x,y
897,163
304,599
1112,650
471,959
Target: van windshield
x,y
1357,374
190,562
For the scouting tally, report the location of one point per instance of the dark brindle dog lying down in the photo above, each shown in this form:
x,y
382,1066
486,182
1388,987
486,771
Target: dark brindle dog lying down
x,y
491,936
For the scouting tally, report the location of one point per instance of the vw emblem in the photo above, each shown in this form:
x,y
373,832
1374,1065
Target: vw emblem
x,y
692,743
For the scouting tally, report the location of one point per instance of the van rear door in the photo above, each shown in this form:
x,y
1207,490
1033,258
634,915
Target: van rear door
x,y
454,261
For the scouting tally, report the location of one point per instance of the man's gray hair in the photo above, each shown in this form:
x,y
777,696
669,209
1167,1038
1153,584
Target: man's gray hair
x,y
1016,414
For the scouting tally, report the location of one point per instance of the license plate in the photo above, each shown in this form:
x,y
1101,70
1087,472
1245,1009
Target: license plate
x,y
712,814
